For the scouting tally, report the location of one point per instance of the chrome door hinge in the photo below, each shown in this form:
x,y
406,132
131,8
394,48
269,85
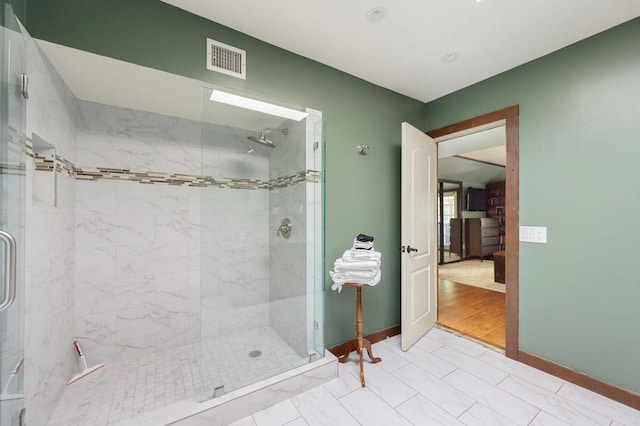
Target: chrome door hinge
x,y
316,145
24,85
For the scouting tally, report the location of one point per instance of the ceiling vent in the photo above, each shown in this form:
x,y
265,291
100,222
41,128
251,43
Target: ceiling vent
x,y
226,59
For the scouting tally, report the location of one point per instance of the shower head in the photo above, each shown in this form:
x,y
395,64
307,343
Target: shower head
x,y
263,139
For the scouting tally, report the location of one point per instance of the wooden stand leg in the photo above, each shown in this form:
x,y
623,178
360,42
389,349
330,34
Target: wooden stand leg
x,y
360,343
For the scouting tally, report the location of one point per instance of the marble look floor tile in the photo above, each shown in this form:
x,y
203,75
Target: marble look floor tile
x,y
437,391
319,407
530,374
459,343
298,422
426,360
390,360
472,365
393,340
277,415
600,404
546,419
247,421
343,385
552,403
420,411
429,362
393,391
368,409
480,414
428,344
502,402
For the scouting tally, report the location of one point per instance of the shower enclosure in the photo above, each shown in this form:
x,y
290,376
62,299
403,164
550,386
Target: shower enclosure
x,y
12,219
176,250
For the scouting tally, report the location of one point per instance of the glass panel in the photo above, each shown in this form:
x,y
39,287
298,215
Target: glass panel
x,y
317,257
12,217
257,300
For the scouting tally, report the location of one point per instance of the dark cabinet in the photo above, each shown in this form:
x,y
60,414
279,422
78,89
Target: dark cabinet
x,y
482,237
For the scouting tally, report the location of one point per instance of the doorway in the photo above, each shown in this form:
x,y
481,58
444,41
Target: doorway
x,y
507,117
471,297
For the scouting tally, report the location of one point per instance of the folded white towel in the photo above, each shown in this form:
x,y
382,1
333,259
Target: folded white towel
x,y
340,278
358,255
358,274
363,265
365,245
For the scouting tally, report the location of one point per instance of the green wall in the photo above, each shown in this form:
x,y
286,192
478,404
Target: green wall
x,y
579,177
362,192
19,9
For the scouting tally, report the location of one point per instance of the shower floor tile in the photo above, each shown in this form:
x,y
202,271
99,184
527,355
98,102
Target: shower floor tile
x,y
124,389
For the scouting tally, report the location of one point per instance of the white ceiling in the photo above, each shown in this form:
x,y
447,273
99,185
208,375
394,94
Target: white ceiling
x,y
469,172
486,146
475,141
403,52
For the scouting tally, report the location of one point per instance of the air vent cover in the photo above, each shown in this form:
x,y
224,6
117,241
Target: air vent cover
x,y
226,59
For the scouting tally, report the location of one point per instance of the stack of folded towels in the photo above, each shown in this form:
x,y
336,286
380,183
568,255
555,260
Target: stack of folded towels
x,y
360,264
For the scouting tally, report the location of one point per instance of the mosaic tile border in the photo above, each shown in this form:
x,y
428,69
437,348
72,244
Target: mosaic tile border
x,y
47,164
312,176
61,165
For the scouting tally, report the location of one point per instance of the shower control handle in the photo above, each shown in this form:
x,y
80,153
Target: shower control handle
x,y
284,229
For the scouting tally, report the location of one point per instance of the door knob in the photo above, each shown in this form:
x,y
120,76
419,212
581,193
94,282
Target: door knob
x,y
410,249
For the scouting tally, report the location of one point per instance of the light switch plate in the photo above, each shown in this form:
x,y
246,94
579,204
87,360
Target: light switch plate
x,y
533,234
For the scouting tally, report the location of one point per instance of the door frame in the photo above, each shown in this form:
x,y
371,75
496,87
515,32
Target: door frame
x,y
511,117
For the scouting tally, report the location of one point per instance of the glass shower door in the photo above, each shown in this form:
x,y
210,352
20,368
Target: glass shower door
x,y
12,219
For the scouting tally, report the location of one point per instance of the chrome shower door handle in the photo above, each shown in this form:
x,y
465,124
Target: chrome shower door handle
x,y
9,270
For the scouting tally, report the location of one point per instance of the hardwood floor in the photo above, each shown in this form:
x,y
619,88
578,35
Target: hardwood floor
x,y
474,311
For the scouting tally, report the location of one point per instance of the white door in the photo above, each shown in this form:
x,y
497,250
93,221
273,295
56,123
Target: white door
x,y
418,266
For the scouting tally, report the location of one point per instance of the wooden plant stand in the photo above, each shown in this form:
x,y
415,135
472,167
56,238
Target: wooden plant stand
x,y
359,343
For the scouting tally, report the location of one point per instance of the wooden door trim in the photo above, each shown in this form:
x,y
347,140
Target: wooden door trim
x,y
511,115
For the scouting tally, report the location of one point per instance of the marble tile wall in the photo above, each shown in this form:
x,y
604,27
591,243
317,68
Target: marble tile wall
x,y
137,246
234,246
137,276
288,290
287,294
52,116
153,261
